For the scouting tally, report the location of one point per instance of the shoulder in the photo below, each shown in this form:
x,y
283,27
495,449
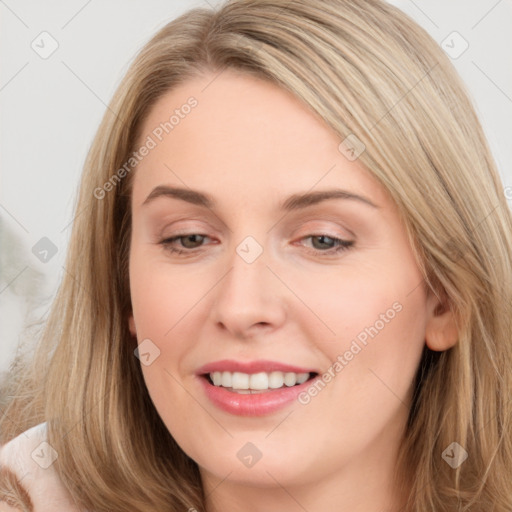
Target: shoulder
x,y
27,471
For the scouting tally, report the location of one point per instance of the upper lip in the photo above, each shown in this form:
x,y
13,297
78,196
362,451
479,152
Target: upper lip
x,y
227,365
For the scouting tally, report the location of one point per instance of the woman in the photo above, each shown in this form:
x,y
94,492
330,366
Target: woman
x,y
206,345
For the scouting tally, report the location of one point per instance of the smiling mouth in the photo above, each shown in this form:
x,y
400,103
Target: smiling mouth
x,y
256,383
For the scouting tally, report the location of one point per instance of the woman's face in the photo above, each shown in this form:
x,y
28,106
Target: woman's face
x,y
272,285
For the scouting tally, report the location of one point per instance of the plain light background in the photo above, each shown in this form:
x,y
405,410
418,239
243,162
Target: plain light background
x,y
51,108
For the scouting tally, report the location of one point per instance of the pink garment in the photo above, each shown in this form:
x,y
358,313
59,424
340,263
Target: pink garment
x,y
31,459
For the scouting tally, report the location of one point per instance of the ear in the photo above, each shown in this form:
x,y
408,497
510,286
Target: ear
x,y
441,332
131,325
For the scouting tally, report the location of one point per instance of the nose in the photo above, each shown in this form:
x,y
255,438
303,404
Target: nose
x,y
249,299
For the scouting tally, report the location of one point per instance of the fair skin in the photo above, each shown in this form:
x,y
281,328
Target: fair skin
x,y
5,508
250,145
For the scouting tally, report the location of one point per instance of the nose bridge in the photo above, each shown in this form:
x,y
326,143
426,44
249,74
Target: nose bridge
x,y
248,293
248,275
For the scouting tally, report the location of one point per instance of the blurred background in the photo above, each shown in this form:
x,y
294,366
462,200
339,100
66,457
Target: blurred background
x,y
61,61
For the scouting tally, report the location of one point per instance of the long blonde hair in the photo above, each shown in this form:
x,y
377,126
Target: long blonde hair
x,y
370,73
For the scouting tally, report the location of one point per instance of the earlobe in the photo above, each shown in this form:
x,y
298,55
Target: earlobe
x,y
131,325
441,332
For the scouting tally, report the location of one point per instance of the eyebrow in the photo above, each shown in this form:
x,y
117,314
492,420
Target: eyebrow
x,y
294,202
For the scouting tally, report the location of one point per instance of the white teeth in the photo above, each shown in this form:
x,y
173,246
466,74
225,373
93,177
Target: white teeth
x,y
276,380
290,379
244,382
302,377
258,381
240,381
227,379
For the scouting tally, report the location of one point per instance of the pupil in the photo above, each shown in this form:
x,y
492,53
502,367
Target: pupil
x,y
322,238
190,237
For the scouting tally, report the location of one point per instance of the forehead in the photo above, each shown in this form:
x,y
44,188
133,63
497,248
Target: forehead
x,y
233,133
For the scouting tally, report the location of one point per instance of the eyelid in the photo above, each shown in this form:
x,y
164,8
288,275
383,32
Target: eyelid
x,y
177,227
339,231
318,228
340,245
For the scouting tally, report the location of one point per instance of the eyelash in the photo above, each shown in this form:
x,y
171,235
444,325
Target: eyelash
x,y
342,245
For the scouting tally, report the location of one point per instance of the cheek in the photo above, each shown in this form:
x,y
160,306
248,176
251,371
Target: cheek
x,y
381,327
379,317
160,302
160,298
363,302
380,324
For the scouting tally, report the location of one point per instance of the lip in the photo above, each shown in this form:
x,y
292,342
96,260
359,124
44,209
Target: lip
x,y
228,365
258,404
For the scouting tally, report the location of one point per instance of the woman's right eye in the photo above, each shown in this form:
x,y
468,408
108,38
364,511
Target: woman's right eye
x,y
168,243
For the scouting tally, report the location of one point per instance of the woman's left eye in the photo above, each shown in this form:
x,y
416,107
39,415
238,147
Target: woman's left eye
x,y
189,243
336,244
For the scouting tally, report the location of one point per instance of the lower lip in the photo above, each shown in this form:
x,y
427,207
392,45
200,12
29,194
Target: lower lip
x,y
258,404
